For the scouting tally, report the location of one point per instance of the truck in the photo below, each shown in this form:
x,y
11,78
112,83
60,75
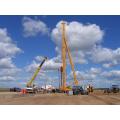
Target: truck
x,y
31,88
15,89
112,89
79,90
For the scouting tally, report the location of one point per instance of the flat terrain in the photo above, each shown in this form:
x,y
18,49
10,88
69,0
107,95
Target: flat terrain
x,y
96,98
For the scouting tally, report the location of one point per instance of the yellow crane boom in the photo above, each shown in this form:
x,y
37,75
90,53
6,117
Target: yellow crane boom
x,y
65,49
36,73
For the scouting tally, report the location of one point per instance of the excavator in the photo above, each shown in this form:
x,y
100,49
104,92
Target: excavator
x,y
31,88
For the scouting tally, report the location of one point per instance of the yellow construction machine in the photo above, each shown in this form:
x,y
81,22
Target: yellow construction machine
x,y
31,88
65,50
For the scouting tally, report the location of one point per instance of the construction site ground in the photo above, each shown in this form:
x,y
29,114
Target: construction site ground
x,y
95,98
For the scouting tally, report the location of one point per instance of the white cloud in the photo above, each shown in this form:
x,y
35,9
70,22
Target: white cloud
x,y
77,56
110,64
97,77
6,63
57,59
32,67
39,58
33,27
7,78
82,75
84,41
101,54
80,36
7,47
88,76
95,70
9,72
50,64
8,50
48,72
107,56
81,39
113,74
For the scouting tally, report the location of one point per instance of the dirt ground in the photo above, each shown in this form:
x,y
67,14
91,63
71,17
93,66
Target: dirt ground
x,y
96,98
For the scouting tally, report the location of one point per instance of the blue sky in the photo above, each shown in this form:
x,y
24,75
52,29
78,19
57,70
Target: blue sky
x,y
41,44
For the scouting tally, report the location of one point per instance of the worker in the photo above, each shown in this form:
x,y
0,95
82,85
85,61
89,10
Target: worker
x,y
23,91
88,88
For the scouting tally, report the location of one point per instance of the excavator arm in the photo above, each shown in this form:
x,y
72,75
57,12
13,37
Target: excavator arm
x,y
36,73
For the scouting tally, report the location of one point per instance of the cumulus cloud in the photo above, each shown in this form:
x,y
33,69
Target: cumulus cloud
x,y
34,27
39,58
9,74
101,54
107,56
7,47
10,71
8,50
32,67
81,39
113,74
6,63
95,70
84,41
110,64
48,72
77,56
90,74
50,64
7,78
80,36
97,77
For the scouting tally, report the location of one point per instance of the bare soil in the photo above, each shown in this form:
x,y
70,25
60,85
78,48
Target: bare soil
x,y
95,98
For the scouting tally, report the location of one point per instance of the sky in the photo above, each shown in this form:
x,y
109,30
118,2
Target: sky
x,y
93,40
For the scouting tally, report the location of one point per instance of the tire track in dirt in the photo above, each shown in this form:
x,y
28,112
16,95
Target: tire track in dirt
x,y
106,101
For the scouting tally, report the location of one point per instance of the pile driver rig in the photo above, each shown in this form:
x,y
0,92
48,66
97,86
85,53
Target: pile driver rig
x,y
65,50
